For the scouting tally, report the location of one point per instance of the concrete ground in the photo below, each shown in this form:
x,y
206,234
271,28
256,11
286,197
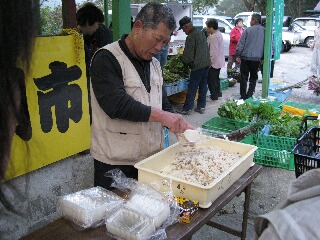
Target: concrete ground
x,y
270,187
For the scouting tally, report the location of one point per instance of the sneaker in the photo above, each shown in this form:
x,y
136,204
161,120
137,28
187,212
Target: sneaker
x,y
201,110
184,112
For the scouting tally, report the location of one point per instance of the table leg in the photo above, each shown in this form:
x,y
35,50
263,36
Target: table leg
x,y
242,234
246,205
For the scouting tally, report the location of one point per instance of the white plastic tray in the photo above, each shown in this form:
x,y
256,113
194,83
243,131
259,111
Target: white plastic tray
x,y
149,170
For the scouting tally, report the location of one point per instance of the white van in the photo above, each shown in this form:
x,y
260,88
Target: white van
x,y
246,16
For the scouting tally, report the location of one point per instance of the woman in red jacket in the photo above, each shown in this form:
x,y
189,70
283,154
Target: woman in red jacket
x,y
235,35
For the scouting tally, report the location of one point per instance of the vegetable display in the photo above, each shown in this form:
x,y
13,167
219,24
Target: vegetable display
x,y
175,70
279,124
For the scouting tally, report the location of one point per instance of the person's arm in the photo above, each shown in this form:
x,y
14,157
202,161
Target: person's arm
x,y
188,52
211,48
240,46
108,87
233,36
174,122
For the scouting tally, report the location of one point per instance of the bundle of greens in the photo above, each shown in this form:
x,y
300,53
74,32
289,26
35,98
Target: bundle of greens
x,y
175,69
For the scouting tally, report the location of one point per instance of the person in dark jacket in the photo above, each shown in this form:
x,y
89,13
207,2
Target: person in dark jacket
x,y
249,53
95,34
195,56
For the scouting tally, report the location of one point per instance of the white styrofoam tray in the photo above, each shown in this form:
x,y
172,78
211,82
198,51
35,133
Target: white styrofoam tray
x,y
150,170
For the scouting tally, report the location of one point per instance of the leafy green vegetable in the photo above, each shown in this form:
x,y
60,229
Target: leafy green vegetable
x,y
285,125
175,69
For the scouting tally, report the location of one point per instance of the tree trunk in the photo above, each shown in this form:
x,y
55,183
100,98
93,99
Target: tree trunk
x,y
69,13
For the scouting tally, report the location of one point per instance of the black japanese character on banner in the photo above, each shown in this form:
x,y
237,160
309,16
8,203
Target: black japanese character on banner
x,y
65,98
24,128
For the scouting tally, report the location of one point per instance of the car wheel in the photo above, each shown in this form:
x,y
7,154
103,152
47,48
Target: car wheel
x,y
287,49
308,42
282,48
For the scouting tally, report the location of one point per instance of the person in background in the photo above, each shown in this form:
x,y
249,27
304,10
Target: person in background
x,y
249,53
297,217
315,47
162,55
17,32
215,43
195,56
95,34
235,36
129,102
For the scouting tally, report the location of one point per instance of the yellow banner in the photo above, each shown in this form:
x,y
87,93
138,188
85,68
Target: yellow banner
x,y
57,98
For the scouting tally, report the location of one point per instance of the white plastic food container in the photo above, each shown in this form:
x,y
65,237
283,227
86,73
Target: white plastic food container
x,y
149,206
130,225
151,169
88,208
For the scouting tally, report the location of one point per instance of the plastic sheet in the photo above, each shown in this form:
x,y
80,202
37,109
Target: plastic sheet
x,y
88,208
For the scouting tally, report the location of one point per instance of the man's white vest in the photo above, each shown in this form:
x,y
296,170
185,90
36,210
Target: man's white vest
x,y
122,142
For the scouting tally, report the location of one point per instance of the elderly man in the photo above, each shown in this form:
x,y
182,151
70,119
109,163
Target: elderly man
x,y
129,102
196,56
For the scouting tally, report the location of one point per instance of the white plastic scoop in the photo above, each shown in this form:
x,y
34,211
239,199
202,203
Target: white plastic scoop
x,y
189,137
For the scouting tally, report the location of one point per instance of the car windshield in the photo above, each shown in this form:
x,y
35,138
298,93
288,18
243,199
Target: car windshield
x,y
297,27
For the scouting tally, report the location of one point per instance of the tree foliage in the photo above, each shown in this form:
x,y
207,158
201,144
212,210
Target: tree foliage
x,y
230,8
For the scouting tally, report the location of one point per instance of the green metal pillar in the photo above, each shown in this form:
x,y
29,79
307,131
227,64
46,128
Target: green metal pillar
x,y
267,48
106,14
121,18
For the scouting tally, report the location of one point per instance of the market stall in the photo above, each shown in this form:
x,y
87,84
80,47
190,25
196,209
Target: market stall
x,y
62,229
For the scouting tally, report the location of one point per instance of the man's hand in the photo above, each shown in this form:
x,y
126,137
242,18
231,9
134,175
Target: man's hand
x,y
174,122
238,60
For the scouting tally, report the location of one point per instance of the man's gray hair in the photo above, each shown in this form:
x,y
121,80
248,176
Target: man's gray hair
x,y
152,14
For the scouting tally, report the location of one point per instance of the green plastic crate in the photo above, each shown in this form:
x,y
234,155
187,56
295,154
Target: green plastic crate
x,y
220,126
273,151
224,83
256,102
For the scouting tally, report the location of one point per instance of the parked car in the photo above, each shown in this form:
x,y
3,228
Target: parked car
x,y
224,25
289,38
309,23
306,36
